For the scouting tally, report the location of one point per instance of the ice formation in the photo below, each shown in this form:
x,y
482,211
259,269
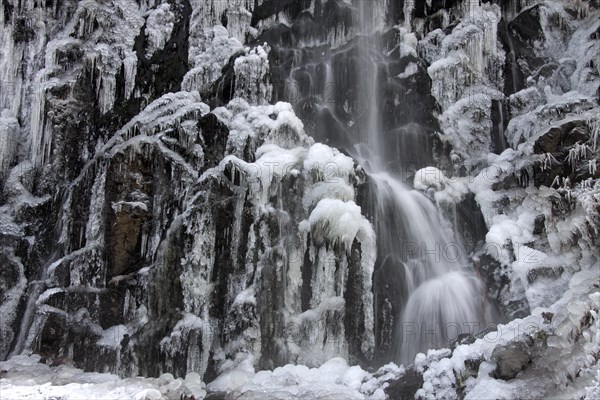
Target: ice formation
x,y
218,191
210,60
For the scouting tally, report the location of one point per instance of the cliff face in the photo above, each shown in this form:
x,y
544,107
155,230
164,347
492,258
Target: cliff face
x,y
163,209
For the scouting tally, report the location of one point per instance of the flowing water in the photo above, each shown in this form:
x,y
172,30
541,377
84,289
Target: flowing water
x,y
512,55
500,140
439,295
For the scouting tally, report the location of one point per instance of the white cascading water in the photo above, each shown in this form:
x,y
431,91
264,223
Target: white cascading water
x,y
442,295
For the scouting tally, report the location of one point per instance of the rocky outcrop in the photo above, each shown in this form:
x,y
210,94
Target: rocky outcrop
x,y
162,268
158,215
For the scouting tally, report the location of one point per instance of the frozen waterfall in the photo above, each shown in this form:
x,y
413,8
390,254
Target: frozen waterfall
x,y
440,295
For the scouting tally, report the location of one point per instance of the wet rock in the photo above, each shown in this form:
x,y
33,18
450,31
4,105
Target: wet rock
x,y
164,71
127,216
69,272
55,362
215,396
527,26
551,273
353,321
504,294
464,338
561,207
214,135
500,118
12,290
470,371
22,30
406,386
222,90
10,275
510,360
470,222
546,71
580,133
53,337
515,80
548,316
539,224
502,203
558,138
508,182
559,141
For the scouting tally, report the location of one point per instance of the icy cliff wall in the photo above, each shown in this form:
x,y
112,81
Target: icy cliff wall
x,y
154,221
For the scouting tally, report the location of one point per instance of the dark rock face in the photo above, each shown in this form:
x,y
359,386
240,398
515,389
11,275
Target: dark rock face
x,y
526,26
222,90
470,223
215,134
355,327
561,138
164,70
500,114
129,193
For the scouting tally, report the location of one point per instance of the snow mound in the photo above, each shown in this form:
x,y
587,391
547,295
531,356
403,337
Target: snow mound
x,y
341,221
334,379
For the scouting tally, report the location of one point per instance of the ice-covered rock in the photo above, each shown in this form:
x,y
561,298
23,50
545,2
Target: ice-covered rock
x,y
26,377
209,60
252,81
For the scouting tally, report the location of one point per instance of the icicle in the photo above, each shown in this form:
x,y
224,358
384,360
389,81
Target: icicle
x,y
39,138
94,224
594,127
593,167
548,160
107,92
409,6
9,130
576,153
130,69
